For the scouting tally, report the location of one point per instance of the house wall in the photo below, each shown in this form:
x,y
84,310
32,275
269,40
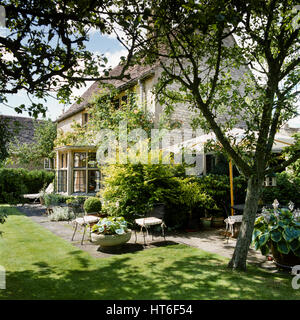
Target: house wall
x,y
66,124
184,113
149,96
14,163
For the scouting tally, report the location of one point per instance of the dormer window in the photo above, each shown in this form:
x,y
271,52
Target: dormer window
x,y
124,99
85,119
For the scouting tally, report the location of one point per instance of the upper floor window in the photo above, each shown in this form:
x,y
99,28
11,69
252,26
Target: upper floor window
x,y
85,118
124,99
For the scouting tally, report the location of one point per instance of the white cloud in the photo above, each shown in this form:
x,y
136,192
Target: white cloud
x,y
114,57
295,123
113,61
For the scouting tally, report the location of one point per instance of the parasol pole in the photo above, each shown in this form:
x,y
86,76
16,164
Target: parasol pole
x,y
231,187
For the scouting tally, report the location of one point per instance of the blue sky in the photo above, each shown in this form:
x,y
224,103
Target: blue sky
x,y
97,43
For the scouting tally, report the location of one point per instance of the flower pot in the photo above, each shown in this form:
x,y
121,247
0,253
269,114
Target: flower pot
x,y
110,242
205,222
286,261
217,222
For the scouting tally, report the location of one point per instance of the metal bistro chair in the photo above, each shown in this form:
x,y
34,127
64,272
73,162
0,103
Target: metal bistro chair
x,y
154,217
84,222
230,222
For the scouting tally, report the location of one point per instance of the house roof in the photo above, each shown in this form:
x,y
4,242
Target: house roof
x,y
21,128
136,72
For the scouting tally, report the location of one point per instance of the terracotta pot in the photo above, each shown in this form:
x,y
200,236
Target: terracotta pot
x,y
284,260
110,242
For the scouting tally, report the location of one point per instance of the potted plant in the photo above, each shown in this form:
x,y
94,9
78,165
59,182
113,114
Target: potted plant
x,y
278,231
205,222
217,219
110,233
92,206
192,197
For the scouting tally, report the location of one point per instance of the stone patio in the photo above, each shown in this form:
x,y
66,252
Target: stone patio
x,y
212,240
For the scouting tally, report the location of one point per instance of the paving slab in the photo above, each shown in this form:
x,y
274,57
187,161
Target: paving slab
x,y
212,240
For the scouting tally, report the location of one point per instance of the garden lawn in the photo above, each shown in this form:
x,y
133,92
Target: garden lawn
x,y
40,265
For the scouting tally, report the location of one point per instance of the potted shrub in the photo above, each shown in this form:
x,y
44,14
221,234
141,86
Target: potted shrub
x,y
110,233
217,219
205,222
92,205
193,197
278,231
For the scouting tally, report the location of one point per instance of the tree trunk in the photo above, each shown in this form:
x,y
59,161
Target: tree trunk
x,y
239,258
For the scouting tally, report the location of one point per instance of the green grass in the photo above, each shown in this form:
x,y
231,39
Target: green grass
x,y
40,265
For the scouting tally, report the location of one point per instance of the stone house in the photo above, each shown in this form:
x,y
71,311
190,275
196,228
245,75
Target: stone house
x,y
75,174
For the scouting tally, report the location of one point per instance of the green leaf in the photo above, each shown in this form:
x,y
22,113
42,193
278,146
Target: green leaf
x,y
276,235
294,244
290,234
283,247
255,234
297,252
263,239
281,224
264,250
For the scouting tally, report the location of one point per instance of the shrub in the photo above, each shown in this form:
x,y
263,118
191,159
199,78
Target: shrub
x,y
53,199
111,225
16,182
132,190
287,189
12,185
3,216
76,200
92,204
277,228
218,188
61,214
37,179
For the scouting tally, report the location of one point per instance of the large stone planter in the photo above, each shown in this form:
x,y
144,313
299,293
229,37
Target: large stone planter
x,y
286,261
110,242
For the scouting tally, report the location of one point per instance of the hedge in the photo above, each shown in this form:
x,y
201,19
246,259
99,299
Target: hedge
x,y
287,189
15,182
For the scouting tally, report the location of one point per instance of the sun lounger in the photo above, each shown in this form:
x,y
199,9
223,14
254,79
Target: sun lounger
x,y
36,196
